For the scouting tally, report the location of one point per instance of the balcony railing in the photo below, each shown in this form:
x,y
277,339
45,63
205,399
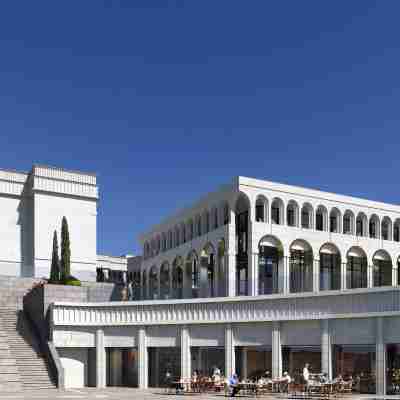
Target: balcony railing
x,y
356,303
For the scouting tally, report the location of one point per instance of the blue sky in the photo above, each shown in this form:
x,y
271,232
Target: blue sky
x,y
167,99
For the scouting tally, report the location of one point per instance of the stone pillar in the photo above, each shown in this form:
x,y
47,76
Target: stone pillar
x,y
229,351
156,366
370,276
100,360
326,348
231,274
276,350
244,363
380,358
253,276
286,275
316,276
143,358
343,271
394,274
186,368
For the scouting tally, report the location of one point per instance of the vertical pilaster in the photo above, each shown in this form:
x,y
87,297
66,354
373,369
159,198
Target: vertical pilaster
x,y
380,372
100,360
326,348
231,275
276,350
185,353
394,275
370,276
343,272
143,358
254,274
316,276
229,351
244,363
286,275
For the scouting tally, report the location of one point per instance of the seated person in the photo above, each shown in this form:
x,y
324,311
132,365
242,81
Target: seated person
x,y
233,386
285,381
324,378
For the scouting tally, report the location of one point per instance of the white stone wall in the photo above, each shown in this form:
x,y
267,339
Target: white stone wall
x,y
10,236
81,215
75,364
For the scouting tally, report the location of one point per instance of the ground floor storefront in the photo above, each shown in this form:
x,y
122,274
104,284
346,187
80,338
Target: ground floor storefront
x,y
365,351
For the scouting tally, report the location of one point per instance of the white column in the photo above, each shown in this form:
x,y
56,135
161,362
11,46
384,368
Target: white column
x,y
255,274
143,358
100,360
316,276
394,274
343,271
229,351
186,369
231,274
326,348
276,350
370,276
380,372
286,275
244,363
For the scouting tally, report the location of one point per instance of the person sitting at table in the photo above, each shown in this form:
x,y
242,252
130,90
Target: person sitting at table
x,y
306,373
324,378
285,381
233,385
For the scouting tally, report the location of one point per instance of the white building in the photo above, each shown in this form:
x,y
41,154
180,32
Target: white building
x,y
255,276
31,208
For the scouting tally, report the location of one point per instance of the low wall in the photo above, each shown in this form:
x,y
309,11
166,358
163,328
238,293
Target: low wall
x,y
38,300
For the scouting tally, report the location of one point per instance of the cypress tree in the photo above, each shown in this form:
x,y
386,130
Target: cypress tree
x,y
65,251
55,261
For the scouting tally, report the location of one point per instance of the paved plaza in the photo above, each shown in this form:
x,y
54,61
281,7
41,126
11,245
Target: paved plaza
x,y
150,394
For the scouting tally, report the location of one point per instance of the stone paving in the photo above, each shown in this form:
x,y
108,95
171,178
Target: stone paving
x,y
150,394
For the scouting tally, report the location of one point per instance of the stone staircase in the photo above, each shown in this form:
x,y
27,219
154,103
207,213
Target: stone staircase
x,y
25,367
21,364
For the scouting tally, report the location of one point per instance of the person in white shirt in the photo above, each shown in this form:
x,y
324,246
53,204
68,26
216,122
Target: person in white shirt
x,y
306,374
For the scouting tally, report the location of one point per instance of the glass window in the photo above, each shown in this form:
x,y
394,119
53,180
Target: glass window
x,y
382,273
396,233
305,219
268,270
260,213
275,217
346,224
359,227
319,221
356,365
290,216
356,272
372,229
333,224
385,231
301,271
329,266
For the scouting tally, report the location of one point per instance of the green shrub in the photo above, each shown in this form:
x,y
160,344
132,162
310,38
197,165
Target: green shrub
x,y
72,281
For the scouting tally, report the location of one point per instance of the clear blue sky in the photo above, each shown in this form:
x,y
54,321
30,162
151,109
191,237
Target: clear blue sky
x,y
167,99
